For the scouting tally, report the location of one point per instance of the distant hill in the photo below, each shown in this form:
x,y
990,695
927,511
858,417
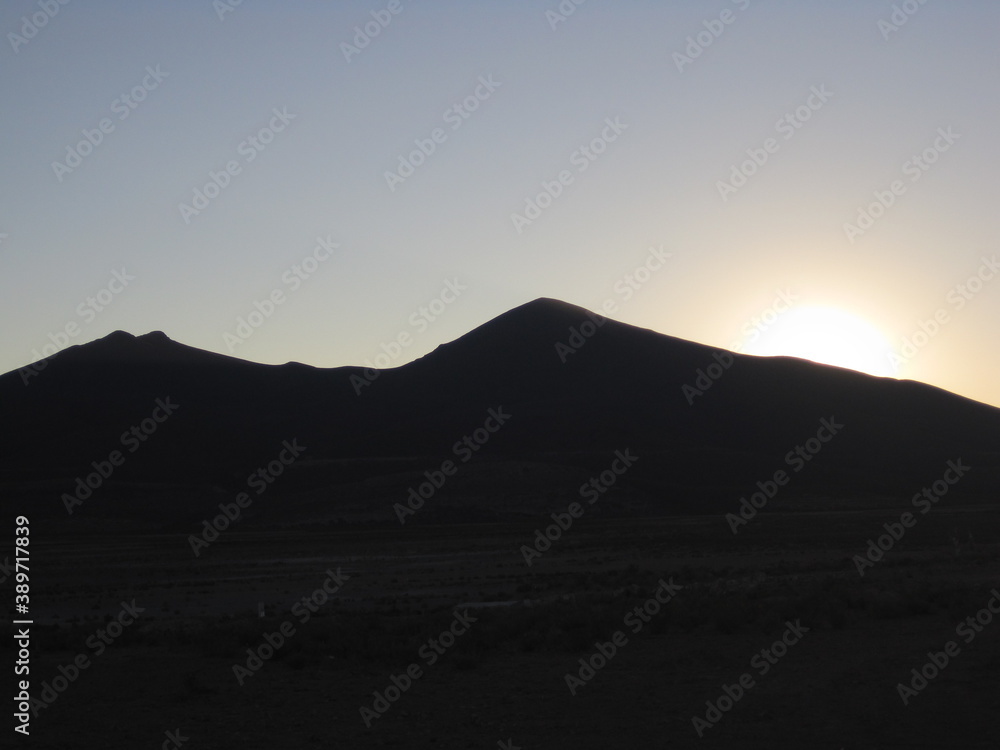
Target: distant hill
x,y
705,424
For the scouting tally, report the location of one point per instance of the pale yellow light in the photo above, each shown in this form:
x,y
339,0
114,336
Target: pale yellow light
x,y
826,335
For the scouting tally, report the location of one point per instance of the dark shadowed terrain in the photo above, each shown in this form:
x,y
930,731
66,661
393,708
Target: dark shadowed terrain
x,y
256,555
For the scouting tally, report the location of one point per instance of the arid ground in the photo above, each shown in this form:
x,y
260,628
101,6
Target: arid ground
x,y
503,679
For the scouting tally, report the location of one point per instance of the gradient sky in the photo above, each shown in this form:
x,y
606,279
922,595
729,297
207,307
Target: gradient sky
x,y
767,266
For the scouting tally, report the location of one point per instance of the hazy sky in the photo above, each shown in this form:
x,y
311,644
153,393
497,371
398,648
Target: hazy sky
x,y
175,162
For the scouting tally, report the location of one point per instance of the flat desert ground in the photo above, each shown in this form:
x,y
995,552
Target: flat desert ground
x,y
502,682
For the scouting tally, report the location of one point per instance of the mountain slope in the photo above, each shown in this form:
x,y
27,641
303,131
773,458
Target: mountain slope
x,y
706,424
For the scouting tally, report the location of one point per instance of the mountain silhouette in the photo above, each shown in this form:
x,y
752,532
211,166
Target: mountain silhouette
x,y
706,425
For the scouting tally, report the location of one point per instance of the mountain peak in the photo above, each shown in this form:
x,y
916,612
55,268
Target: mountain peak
x,y
118,337
548,308
154,347
124,338
529,337
542,321
128,342
155,337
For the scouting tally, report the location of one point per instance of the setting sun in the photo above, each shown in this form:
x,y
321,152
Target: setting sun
x,y
825,335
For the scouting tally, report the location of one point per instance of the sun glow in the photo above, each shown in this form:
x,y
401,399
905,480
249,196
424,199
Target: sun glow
x,y
825,335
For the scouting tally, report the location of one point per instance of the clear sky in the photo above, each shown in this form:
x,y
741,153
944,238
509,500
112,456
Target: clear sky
x,y
810,178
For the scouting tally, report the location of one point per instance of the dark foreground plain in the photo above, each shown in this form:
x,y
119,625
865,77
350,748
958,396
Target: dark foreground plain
x,y
318,620
502,683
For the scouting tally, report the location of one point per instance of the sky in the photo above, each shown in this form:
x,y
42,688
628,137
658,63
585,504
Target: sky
x,y
314,181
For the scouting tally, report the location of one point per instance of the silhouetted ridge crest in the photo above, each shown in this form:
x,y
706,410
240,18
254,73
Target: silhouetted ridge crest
x,y
153,348
578,386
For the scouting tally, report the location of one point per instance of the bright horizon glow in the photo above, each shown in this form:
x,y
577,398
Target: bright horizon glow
x,y
827,336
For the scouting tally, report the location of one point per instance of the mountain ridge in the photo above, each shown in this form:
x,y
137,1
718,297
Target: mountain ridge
x,y
578,387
